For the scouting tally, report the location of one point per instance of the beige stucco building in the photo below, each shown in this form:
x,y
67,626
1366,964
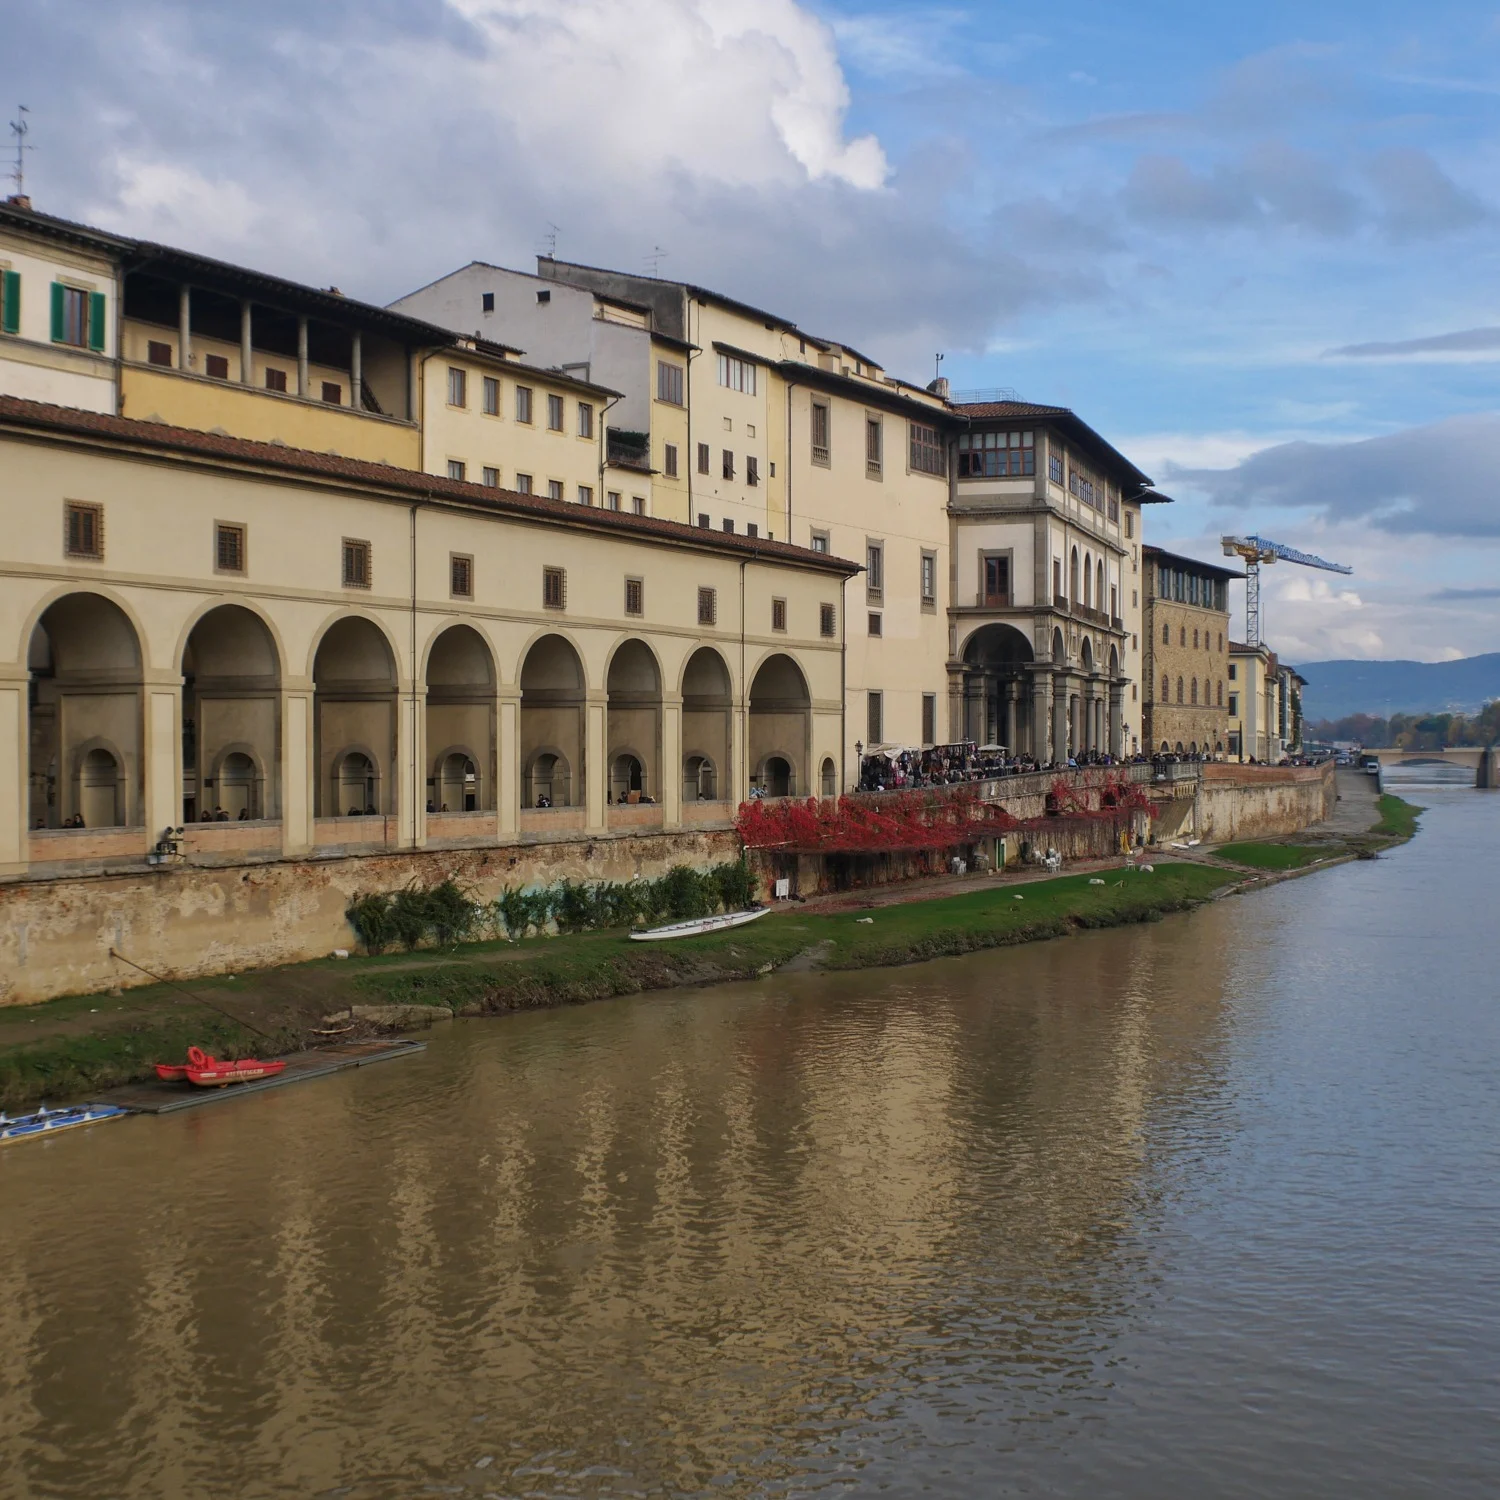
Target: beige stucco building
x,y
345,657
1187,668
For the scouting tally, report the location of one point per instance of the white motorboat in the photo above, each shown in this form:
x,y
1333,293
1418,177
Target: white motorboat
x,y
697,926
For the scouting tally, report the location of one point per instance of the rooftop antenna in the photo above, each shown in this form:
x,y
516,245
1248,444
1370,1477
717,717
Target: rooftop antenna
x,y
553,230
937,370
20,128
654,260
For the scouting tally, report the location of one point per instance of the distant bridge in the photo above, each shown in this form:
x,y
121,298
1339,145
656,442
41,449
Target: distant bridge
x,y
1485,763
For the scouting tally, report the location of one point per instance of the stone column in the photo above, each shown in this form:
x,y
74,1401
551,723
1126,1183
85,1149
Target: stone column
x,y
15,770
595,771
162,782
955,703
1012,690
1041,715
1060,717
184,328
302,356
1116,720
508,767
669,793
298,767
247,347
410,772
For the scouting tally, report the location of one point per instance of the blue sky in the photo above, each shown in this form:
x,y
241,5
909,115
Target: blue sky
x,y
1254,246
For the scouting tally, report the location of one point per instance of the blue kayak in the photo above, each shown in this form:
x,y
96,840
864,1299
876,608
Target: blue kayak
x,y
49,1121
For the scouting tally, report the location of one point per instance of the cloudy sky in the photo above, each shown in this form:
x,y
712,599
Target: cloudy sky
x,y
1255,246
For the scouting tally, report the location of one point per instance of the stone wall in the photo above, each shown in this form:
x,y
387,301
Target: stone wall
x,y
1253,802
55,935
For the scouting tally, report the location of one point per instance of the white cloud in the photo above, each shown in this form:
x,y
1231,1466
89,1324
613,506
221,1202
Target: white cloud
x,y
163,201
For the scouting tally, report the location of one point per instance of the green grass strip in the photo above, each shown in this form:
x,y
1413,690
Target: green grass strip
x,y
1272,856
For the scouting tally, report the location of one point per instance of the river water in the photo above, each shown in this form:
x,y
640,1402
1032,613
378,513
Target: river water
x,y
1204,1208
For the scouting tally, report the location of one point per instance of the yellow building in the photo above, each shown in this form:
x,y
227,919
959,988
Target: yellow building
x,y
343,657
1187,668
1259,708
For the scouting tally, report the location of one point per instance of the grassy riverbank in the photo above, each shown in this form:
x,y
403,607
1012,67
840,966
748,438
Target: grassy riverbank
x,y
70,1047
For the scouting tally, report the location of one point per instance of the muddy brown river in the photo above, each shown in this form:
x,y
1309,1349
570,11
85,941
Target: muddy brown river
x,y
1204,1208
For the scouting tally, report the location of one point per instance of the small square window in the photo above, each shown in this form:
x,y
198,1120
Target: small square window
x,y
83,530
356,564
554,413
216,366
751,529
554,588
333,392
749,429
729,525
229,548
827,621
523,403
874,624
669,460
703,520
585,420
708,606
638,504
752,469
461,575
458,386
457,469
585,494
158,353
820,541
778,614
703,458
492,477
491,393
275,379
635,596
487,302
554,489
523,484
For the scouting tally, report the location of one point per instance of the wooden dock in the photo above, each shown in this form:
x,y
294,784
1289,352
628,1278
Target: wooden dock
x,y
153,1097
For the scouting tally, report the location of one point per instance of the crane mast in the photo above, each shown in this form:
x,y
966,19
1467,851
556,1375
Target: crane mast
x,y
1255,550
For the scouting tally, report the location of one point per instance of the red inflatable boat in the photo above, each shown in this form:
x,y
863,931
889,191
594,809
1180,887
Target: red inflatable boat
x,y
209,1073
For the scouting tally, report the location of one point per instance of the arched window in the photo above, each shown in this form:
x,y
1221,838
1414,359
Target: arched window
x,y
1166,635
1219,693
357,786
1099,586
699,780
99,790
1088,576
1179,690
1194,689
1182,635
1195,638
1166,691
549,781
1221,640
629,776
830,777
1073,576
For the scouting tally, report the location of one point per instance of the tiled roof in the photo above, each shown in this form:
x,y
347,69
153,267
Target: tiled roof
x,y
66,420
983,410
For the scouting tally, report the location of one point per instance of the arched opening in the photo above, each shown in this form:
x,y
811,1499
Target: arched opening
x,y
1086,655
354,717
829,777
700,782
1179,695
231,717
461,736
706,725
552,707
996,687
780,725
1099,587
633,723
1194,692
1073,577
86,715
1179,747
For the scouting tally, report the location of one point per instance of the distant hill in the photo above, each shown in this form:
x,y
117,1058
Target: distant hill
x,y
1336,689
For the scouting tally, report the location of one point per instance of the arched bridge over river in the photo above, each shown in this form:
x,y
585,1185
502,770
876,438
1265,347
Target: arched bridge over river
x,y
1484,762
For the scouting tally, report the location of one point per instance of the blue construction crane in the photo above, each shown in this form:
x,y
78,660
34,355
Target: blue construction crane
x,y
1255,550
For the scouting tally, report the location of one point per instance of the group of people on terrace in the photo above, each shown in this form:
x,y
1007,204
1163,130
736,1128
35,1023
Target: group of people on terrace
x,y
948,765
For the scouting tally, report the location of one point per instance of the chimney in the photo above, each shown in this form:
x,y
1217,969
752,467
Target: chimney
x,y
20,200
939,387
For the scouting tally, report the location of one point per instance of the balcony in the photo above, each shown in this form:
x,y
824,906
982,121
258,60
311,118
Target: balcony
x,y
627,450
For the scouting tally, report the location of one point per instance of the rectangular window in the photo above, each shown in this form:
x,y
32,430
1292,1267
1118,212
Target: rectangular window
x,y
554,588
457,469
523,403
275,379
554,489
638,504
727,464
612,499
929,718
491,394
752,469
996,582
751,529
703,520
874,568
229,548
70,317
1057,593
554,413
874,444
820,541
927,452
333,392
668,382
778,614
873,624
356,564
460,575
729,525
703,458
1129,524
486,302
1234,705
635,596
10,302
83,530
737,374
929,580
1055,467
827,621
708,606
523,484
1234,671
216,367
874,719
820,430
669,460
458,386
585,420
159,353
996,455
585,494
492,477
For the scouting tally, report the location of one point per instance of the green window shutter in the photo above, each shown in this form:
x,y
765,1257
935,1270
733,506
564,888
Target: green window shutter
x,y
57,312
96,320
10,297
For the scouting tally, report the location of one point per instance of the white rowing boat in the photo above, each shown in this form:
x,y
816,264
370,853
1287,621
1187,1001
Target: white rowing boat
x,y
46,1121
697,926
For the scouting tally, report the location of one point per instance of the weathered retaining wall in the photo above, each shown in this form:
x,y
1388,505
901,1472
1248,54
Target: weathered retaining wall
x,y
55,935
1252,802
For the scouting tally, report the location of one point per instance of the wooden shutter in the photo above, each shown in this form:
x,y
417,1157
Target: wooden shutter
x,y
10,297
96,322
59,315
